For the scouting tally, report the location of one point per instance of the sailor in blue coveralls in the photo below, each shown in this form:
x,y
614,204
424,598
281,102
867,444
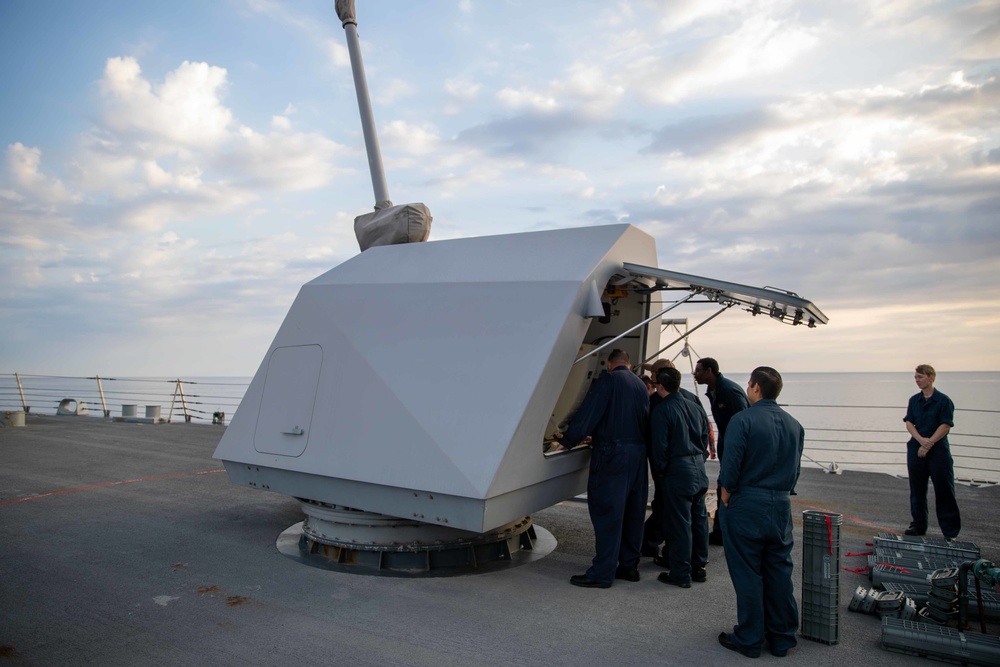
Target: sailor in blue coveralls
x,y
759,470
726,399
679,435
653,534
929,417
615,414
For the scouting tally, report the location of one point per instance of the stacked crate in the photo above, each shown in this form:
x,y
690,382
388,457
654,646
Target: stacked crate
x,y
941,643
935,548
821,576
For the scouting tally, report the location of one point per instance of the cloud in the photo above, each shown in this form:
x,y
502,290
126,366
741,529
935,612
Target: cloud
x,y
590,88
395,90
760,46
23,164
339,56
527,134
409,138
161,154
462,90
985,42
683,13
280,162
185,110
706,134
523,98
461,94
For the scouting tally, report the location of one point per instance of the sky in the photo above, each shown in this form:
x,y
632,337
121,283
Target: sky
x,y
173,173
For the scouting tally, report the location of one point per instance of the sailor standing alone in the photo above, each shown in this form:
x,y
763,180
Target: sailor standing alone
x,y
929,417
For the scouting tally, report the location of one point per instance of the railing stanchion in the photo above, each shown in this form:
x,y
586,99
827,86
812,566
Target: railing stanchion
x,y
184,407
20,390
104,404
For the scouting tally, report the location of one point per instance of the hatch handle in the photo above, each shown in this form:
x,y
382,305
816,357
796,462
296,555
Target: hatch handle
x,y
296,430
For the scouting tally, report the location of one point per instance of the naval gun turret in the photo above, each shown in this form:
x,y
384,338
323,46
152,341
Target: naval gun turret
x,y
419,381
407,396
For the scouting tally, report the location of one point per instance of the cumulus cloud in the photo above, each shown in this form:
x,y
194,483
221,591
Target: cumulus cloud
x,y
524,98
461,89
595,92
395,90
411,138
339,56
280,161
185,110
23,163
758,47
171,152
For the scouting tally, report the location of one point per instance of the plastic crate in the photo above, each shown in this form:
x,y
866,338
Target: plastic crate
x,y
925,616
925,564
909,610
821,576
940,560
884,574
860,593
927,640
942,595
962,551
938,616
821,626
819,597
945,578
870,603
890,601
821,548
919,593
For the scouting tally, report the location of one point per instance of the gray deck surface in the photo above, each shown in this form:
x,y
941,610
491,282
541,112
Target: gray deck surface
x,y
172,567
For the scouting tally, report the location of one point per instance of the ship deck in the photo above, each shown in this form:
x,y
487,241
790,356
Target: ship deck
x,y
126,544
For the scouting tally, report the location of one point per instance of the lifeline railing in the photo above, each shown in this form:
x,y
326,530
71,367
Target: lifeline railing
x,y
192,400
831,448
976,455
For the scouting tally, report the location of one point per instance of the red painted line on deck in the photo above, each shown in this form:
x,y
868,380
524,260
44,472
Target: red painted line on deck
x,y
99,486
848,517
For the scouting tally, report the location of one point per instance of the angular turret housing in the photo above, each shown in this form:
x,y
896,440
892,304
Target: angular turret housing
x,y
419,380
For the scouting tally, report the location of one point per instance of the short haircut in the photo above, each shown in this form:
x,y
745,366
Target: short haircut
x,y
648,380
669,379
710,364
768,380
618,356
926,369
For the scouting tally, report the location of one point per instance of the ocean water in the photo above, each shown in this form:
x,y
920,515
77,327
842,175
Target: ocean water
x,y
853,420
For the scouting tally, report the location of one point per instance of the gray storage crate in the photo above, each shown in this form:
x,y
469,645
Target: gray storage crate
x,y
950,561
885,574
918,563
821,576
932,641
919,592
961,551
